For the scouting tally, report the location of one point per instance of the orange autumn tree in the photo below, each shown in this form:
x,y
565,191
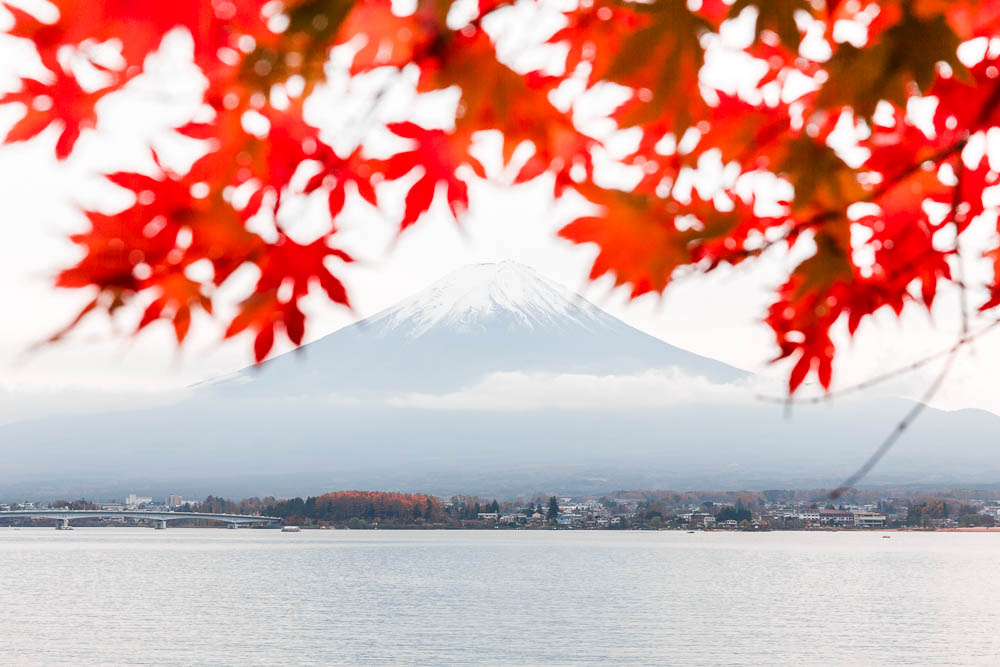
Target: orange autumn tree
x,y
882,226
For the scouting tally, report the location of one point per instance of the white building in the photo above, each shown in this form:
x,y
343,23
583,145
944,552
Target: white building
x,y
869,520
132,500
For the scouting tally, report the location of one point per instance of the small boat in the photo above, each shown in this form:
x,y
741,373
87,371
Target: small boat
x,y
691,532
291,529
885,537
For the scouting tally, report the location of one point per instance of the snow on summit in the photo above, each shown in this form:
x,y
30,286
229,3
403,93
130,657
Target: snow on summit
x,y
468,298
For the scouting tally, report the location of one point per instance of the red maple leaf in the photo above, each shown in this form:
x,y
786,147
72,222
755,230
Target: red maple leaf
x,y
61,101
438,154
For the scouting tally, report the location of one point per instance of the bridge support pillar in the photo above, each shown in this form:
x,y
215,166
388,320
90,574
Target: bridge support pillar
x,y
231,525
160,524
63,524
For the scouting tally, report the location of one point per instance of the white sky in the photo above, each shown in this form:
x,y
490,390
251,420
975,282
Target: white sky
x,y
718,315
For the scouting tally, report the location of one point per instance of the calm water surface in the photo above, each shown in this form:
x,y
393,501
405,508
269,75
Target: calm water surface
x,y
253,597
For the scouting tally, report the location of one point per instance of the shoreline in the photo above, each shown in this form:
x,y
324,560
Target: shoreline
x,y
969,529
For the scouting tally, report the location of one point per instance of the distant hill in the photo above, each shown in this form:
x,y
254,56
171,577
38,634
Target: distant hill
x,y
338,414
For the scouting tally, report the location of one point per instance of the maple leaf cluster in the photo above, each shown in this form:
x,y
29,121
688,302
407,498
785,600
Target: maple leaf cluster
x,y
878,226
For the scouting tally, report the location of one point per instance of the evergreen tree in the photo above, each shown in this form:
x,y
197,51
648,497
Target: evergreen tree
x,y
553,508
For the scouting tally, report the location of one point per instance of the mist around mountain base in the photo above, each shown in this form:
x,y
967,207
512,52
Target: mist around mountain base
x,y
492,381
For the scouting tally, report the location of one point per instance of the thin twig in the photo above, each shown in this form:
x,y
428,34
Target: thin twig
x,y
956,196
903,424
878,379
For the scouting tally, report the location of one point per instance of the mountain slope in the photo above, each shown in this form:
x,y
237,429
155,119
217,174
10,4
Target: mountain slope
x,y
477,320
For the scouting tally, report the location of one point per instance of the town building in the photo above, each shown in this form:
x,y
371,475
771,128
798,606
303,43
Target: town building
x,y
836,517
132,500
809,516
869,520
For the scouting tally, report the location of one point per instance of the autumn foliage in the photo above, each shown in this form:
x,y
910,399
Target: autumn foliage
x,y
913,85
341,506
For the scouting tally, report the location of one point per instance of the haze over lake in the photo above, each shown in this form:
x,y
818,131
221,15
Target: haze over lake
x,y
493,381
253,597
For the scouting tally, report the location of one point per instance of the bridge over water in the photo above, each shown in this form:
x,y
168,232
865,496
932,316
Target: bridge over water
x,y
159,519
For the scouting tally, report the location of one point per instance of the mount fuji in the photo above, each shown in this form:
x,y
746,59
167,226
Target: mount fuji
x,y
338,413
480,319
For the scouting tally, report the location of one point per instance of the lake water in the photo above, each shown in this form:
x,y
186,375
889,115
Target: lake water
x,y
254,597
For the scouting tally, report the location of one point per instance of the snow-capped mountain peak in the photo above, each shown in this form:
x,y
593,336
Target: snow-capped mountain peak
x,y
478,320
476,295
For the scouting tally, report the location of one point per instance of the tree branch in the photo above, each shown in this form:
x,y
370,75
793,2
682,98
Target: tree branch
x,y
903,424
878,379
